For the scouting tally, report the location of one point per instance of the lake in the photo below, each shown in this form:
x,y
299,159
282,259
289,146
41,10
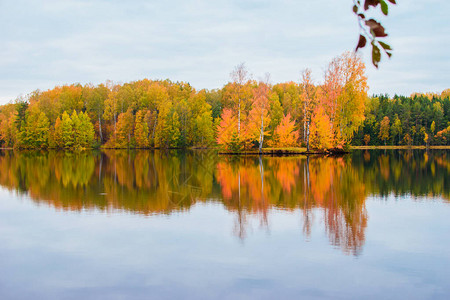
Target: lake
x,y
196,225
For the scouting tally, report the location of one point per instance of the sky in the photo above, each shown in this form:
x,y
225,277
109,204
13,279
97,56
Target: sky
x,y
49,43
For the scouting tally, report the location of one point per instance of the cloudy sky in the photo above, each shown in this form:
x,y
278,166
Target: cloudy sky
x,y
48,43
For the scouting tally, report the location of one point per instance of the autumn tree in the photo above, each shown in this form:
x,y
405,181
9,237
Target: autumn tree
x,y
124,129
111,108
200,131
286,134
8,127
238,92
443,136
67,131
48,102
70,97
95,102
227,130
433,127
76,130
308,97
344,96
276,112
35,129
141,129
396,129
86,130
384,130
289,95
158,100
426,139
407,139
259,118
321,133
150,119
42,131
168,132
174,131
57,134
204,128
163,128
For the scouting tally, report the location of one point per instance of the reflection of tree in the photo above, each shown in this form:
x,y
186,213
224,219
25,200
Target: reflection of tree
x,y
416,173
328,183
243,188
148,182
152,182
342,194
62,177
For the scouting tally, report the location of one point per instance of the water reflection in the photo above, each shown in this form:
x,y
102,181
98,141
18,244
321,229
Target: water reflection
x,y
147,182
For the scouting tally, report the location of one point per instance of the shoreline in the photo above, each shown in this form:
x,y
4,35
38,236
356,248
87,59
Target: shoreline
x,y
435,147
265,152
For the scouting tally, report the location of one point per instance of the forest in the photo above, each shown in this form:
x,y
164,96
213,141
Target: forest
x,y
243,114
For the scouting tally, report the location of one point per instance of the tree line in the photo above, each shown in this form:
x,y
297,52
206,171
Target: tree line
x,y
421,119
244,114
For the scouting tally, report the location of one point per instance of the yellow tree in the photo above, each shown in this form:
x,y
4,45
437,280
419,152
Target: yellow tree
x,y
199,124
174,131
204,128
42,131
237,93
396,129
345,94
57,134
384,129
164,125
95,102
141,129
111,108
445,94
321,133
66,130
87,131
150,119
70,97
276,112
76,129
308,96
124,129
34,132
259,118
158,100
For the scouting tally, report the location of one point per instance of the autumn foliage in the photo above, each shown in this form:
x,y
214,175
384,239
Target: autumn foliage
x,y
286,134
227,128
321,131
244,114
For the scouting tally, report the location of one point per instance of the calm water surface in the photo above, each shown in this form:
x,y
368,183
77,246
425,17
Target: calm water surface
x,y
156,225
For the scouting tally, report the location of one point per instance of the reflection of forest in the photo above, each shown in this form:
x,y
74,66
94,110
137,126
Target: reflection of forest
x,y
149,182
